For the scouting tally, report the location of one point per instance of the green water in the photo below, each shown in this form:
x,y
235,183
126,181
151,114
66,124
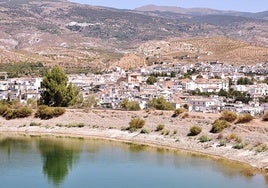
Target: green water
x,y
64,162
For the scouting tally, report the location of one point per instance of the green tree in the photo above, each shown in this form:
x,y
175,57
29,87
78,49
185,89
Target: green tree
x,y
173,74
160,104
151,80
244,81
56,89
223,93
130,105
230,82
263,99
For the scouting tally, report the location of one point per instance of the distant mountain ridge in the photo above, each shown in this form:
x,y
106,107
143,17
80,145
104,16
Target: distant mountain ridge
x,y
201,11
174,9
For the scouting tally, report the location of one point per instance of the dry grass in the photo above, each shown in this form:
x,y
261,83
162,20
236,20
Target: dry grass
x,y
228,116
244,118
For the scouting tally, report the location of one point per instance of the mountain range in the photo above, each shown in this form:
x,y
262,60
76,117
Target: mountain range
x,y
84,36
201,11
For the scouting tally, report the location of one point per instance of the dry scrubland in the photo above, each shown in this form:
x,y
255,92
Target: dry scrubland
x,y
246,142
220,49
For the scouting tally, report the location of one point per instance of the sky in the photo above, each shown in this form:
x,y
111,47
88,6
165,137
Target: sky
x,y
238,5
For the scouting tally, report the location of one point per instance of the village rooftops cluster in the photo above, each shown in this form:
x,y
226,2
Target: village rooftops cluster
x,y
203,87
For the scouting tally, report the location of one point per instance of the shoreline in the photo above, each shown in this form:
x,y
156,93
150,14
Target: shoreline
x,y
257,161
129,141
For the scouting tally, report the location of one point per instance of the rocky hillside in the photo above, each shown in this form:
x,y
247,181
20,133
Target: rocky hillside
x,y
85,37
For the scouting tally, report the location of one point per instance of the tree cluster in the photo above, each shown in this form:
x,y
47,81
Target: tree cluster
x,y
236,95
244,81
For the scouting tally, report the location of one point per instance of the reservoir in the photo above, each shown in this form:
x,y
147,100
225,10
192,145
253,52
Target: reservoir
x,y
32,161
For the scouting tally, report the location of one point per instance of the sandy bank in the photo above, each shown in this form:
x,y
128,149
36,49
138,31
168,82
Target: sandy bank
x,y
107,124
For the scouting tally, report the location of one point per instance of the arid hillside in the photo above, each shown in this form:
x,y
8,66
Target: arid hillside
x,y
220,49
93,38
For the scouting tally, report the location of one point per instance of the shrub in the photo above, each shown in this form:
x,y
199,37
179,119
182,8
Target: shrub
x,y
131,129
228,116
239,146
238,139
232,136
59,125
165,132
23,112
265,116
3,109
45,112
244,118
136,123
195,130
160,127
222,143
145,131
80,125
20,112
219,125
261,148
35,124
9,114
133,106
58,111
151,80
203,139
178,111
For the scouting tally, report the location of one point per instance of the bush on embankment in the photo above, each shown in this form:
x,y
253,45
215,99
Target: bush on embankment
x,y
135,123
228,116
8,112
218,126
45,112
244,118
195,130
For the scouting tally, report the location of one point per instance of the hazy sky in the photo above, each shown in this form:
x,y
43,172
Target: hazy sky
x,y
240,5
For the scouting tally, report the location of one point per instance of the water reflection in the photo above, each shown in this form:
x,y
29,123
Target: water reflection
x,y
8,144
135,148
58,157
226,167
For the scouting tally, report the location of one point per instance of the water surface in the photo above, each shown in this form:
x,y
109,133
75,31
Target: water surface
x,y
66,162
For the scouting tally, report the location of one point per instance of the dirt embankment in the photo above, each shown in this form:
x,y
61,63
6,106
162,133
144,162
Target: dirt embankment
x,y
250,140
